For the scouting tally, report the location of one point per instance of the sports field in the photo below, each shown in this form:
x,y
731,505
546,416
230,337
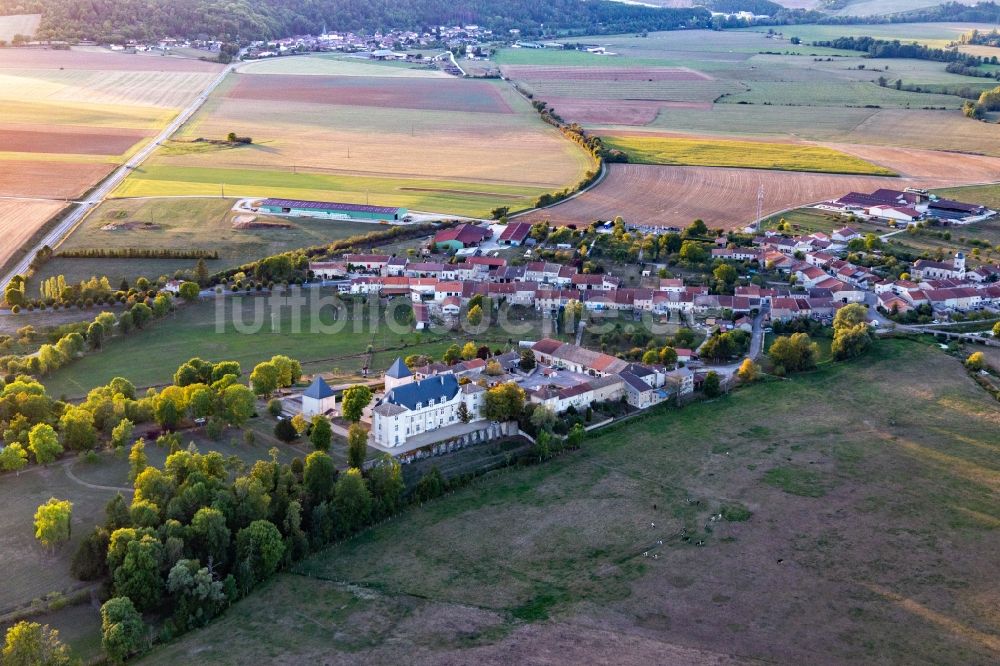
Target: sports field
x,y
866,539
327,128
645,149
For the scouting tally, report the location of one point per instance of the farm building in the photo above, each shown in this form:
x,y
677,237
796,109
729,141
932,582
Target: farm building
x,y
460,237
330,210
515,234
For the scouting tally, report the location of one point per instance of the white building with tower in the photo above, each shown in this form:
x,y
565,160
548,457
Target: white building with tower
x,y
411,407
940,270
318,398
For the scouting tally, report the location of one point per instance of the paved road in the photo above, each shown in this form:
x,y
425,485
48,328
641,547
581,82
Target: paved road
x,y
99,193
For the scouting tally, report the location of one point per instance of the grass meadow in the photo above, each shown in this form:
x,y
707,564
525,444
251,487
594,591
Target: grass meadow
x,y
872,500
729,153
182,224
459,197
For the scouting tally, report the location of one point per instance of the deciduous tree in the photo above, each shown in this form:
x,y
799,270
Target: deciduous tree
x,y
354,401
321,434
44,443
34,644
357,445
13,458
53,522
259,548
122,630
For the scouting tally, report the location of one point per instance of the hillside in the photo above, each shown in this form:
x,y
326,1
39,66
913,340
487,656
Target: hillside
x,y
118,20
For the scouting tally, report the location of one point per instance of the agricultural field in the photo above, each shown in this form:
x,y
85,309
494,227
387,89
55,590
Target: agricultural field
x,y
183,224
19,220
18,24
783,156
935,35
802,100
722,197
67,118
337,129
871,538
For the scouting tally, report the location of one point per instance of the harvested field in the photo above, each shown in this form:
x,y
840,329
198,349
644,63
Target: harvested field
x,y
563,73
697,90
19,220
617,112
929,164
68,140
29,59
56,180
722,197
643,148
386,92
326,65
18,24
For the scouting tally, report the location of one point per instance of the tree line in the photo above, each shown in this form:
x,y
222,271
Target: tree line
x,y
884,48
136,253
241,21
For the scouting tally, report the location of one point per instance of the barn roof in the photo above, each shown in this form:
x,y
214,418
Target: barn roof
x,y
330,205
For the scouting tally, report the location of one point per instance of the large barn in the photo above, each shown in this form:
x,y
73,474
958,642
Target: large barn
x,y
330,210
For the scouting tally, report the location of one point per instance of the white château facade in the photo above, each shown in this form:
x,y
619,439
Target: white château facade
x,y
411,407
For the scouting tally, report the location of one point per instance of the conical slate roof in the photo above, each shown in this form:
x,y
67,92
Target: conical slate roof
x,y
319,389
398,370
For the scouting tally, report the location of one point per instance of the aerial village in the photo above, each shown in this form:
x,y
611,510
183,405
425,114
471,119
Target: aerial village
x,y
435,406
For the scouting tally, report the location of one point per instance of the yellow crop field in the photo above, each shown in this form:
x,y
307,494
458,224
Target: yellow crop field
x,y
694,151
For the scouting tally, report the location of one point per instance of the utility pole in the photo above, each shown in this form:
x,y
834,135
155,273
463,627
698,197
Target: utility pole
x,y
760,205
223,186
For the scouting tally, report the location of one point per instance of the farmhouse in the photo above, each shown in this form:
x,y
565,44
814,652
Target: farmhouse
x,y
515,234
330,210
460,237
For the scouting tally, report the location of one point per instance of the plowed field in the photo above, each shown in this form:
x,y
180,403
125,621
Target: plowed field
x,y
385,92
722,197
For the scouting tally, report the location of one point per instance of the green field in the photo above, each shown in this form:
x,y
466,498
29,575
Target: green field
x,y
871,538
191,331
935,35
183,224
452,196
846,93
747,154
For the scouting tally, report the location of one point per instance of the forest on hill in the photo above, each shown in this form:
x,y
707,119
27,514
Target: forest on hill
x,y
245,20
